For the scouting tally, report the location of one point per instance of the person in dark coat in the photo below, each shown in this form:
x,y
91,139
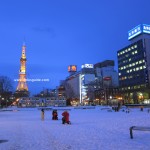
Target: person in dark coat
x,y
65,118
42,114
54,115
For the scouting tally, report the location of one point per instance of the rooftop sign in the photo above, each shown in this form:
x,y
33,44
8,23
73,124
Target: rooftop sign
x,y
87,66
146,28
142,28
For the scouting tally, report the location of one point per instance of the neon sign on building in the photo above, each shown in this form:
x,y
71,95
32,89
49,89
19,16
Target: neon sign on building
x,y
142,28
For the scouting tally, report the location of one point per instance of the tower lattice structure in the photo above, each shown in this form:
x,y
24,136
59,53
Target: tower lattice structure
x,y
22,85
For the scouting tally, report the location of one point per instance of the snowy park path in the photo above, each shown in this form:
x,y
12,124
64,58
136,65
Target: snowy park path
x,y
93,129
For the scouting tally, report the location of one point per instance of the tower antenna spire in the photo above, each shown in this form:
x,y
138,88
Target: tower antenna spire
x,y
24,41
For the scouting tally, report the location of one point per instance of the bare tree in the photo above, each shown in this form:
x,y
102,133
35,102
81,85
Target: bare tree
x,y
5,84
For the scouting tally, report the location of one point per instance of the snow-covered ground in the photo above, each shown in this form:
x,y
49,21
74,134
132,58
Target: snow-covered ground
x,y
91,129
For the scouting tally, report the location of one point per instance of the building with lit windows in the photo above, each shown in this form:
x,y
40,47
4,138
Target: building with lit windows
x,y
86,77
76,84
107,78
100,79
134,65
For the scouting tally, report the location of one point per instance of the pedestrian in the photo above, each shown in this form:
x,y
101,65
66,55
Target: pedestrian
x,y
42,114
142,107
65,118
54,115
127,110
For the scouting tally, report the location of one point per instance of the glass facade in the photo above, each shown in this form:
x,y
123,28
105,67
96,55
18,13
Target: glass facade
x,y
132,66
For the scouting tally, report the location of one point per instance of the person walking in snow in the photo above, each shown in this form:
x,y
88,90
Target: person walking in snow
x,y
65,118
42,114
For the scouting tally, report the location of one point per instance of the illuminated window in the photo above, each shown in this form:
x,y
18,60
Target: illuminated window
x,y
127,55
141,67
129,49
133,64
119,74
137,68
129,59
137,62
130,70
135,46
140,61
127,71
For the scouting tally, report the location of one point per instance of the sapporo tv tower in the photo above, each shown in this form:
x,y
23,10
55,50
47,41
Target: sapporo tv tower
x,y
22,88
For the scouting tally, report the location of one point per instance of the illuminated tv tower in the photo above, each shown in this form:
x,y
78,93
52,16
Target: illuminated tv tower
x,y
22,87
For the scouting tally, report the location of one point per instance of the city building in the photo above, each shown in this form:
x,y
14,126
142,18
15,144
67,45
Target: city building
x,y
71,86
40,102
76,84
106,83
106,72
92,84
86,77
134,65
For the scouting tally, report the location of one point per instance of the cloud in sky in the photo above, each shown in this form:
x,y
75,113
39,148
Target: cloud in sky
x,y
47,30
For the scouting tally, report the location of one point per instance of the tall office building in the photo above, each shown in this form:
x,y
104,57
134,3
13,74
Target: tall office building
x,y
134,65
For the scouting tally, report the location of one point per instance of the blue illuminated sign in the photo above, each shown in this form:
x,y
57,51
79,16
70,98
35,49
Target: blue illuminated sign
x,y
134,32
142,28
146,28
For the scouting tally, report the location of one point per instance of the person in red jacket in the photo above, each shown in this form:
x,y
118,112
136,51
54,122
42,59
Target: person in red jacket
x,y
65,118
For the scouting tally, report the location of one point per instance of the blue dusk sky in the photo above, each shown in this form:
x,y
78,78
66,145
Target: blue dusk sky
x,y
59,33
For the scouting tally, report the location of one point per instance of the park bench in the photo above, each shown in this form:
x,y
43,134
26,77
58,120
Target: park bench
x,y
140,128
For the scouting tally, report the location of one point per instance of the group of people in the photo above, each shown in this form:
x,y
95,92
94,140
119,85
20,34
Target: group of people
x,y
65,116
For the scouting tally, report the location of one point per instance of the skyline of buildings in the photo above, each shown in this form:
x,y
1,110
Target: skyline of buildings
x,y
64,33
136,53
